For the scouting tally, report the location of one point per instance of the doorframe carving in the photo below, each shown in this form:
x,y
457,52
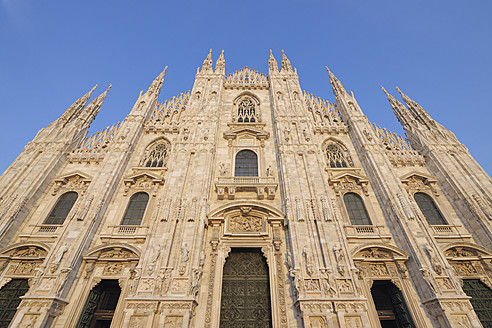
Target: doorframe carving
x,y
271,242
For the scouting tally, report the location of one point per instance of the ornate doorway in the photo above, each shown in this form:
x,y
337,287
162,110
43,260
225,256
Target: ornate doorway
x,y
10,299
245,291
390,305
100,305
481,300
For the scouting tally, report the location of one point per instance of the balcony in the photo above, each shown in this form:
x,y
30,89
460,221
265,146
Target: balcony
x,y
367,232
125,232
450,232
260,185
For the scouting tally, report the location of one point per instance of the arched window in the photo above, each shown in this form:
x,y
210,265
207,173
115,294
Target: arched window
x,y
63,206
429,209
246,164
356,210
337,157
156,155
246,111
136,209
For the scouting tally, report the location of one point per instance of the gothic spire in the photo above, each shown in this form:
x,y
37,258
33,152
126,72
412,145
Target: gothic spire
x,y
286,66
90,112
417,111
155,87
220,64
76,107
336,85
400,110
207,63
272,63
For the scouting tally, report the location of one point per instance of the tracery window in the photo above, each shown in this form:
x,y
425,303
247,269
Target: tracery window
x,y
337,157
356,210
246,164
136,209
62,207
246,111
429,209
156,155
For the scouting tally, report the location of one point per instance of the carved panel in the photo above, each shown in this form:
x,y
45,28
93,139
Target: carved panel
x,y
246,224
173,322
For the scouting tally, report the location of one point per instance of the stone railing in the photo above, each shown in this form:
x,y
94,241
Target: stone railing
x,y
45,228
450,232
125,231
367,231
231,185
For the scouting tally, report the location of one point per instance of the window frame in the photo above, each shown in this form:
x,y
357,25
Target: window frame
x,y
257,163
364,207
54,207
122,222
436,208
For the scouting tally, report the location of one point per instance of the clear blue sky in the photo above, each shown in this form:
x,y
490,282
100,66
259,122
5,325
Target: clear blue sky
x,y
438,52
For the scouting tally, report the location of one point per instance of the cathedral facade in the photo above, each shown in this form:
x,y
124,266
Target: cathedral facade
x,y
245,202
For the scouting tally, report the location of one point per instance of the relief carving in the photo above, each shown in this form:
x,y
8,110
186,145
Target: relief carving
x,y
245,224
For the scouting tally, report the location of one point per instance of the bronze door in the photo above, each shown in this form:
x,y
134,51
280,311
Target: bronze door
x,y
245,291
10,299
481,300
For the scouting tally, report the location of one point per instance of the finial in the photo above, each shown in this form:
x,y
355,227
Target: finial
x,y
384,90
94,88
109,87
283,53
271,52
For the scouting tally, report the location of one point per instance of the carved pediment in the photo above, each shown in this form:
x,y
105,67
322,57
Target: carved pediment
x,y
148,181
349,181
116,252
419,176
237,129
379,252
25,252
417,181
73,181
466,251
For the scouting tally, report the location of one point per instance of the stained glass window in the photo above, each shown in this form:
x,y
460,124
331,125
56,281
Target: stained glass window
x,y
246,164
429,209
356,210
63,206
136,209
336,156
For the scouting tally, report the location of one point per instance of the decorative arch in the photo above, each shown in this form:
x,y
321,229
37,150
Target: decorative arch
x,y
18,246
336,154
237,204
127,251
246,108
474,248
396,252
156,153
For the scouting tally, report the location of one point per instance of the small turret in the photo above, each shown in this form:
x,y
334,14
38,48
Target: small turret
x,y
220,64
286,66
417,111
336,85
155,87
207,64
272,64
400,110
74,110
90,112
